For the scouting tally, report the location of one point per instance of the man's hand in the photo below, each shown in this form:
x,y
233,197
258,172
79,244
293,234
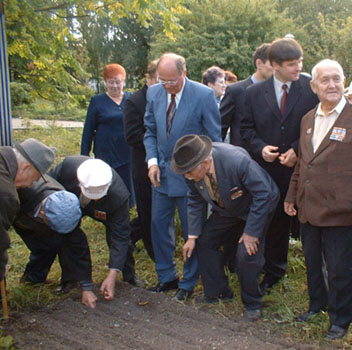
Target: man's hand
x,y
89,299
290,209
250,243
288,158
154,175
107,288
188,248
269,153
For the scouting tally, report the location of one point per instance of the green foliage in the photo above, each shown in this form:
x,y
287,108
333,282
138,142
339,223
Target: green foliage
x,y
223,33
43,109
7,342
20,94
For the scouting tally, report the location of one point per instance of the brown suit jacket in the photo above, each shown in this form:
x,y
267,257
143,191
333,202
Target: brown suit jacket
x,y
321,185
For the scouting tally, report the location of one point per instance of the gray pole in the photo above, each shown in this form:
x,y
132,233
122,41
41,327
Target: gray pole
x,y
5,105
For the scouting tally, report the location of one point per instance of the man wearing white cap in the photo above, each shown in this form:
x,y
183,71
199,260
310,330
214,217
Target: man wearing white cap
x,y
105,198
48,223
19,167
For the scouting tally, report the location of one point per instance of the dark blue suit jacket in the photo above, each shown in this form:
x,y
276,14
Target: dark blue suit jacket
x,y
197,113
231,110
246,190
264,125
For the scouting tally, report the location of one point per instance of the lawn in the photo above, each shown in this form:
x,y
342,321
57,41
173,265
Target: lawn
x,y
286,300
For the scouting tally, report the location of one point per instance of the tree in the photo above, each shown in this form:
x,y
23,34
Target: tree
x,y
44,37
223,33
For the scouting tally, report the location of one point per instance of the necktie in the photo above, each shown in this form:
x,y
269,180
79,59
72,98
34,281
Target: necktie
x,y
170,114
283,99
215,188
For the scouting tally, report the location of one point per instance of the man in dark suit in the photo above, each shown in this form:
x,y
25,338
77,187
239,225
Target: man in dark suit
x,y
242,197
231,108
321,189
48,223
105,198
133,120
175,107
270,129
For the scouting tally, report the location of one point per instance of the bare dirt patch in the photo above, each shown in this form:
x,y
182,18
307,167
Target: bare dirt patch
x,y
138,319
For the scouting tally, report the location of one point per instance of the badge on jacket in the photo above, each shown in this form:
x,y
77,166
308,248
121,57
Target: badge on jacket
x,y
338,134
235,193
100,215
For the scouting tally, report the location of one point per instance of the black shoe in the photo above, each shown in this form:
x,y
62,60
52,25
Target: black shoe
x,y
182,294
65,287
265,287
335,332
253,315
224,297
306,316
163,287
136,282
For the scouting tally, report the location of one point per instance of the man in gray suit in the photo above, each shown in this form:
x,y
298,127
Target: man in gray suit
x,y
243,197
175,107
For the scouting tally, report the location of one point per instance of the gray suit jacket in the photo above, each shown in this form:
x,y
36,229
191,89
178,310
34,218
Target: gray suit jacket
x,y
247,191
197,113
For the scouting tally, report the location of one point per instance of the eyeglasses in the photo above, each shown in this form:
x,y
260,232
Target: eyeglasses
x,y
114,82
169,82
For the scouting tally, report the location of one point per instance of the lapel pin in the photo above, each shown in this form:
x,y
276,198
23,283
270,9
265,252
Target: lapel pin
x,y
309,131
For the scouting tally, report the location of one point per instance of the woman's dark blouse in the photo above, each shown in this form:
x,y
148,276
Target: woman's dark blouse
x,y
104,125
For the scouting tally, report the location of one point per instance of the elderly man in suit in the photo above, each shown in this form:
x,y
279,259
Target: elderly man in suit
x,y
20,167
175,107
270,129
231,108
242,197
48,223
133,121
320,188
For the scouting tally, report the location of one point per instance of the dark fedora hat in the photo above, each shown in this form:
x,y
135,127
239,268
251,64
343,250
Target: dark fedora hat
x,y
37,154
190,151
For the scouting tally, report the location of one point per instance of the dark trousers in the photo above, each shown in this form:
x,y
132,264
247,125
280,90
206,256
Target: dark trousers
x,y
72,249
276,245
216,232
335,243
143,191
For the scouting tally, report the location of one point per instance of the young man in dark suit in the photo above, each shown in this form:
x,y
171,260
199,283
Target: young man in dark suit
x,y
270,129
231,108
133,121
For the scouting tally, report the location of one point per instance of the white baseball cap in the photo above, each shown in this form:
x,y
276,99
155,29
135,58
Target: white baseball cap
x,y
95,177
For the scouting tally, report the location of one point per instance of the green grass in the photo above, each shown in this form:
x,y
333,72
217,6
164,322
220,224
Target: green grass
x,y
286,300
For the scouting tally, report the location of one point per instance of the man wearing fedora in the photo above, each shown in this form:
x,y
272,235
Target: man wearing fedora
x,y
242,197
19,167
105,198
48,223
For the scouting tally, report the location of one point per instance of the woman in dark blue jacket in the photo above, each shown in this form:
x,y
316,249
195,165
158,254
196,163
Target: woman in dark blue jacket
x,y
104,125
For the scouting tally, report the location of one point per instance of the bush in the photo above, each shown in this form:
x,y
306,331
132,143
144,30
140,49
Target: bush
x,y
21,93
82,94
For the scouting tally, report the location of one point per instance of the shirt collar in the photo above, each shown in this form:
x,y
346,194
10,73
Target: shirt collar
x,y
337,109
178,95
278,84
254,79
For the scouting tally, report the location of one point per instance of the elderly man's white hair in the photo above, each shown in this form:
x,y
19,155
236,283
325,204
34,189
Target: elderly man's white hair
x,y
326,62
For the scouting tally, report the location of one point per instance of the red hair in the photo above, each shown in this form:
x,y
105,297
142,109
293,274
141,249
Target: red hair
x,y
111,70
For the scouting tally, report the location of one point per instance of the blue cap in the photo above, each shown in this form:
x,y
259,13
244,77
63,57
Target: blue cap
x,y
62,211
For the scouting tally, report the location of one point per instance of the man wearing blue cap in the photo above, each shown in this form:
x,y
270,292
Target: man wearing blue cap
x,y
48,223
19,168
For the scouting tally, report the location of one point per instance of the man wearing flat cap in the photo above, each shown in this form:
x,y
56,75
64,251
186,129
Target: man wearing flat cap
x,y
48,223
105,198
19,168
242,197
